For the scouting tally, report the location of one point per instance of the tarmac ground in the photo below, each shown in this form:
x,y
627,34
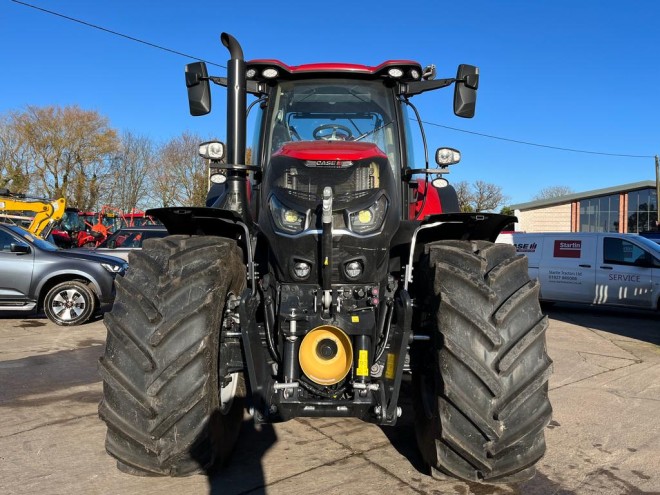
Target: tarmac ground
x,y
604,437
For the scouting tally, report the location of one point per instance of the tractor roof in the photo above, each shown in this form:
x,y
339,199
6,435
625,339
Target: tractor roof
x,y
334,151
264,69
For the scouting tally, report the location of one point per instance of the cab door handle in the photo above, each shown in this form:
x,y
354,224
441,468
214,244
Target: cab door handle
x,y
606,267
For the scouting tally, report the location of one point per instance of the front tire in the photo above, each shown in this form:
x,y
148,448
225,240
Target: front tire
x,y
70,303
171,405
481,391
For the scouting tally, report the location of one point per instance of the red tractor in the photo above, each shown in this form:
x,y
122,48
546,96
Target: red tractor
x,y
86,228
137,219
317,276
70,230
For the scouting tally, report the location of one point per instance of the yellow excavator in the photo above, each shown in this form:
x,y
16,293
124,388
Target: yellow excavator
x,y
38,215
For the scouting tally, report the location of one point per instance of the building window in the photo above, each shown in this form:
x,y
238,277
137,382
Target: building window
x,y
642,210
600,214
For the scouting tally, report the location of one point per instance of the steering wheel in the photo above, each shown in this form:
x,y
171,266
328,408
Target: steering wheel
x,y
339,132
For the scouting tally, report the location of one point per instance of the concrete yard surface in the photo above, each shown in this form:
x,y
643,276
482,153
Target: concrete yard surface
x,y
604,438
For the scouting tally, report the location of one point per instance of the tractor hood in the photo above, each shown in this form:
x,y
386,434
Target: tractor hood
x,y
330,151
364,192
357,172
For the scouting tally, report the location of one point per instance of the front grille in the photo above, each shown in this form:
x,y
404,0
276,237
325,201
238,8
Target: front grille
x,y
346,183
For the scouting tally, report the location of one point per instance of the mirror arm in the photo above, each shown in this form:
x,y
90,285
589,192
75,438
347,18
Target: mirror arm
x,y
252,87
418,87
408,172
220,81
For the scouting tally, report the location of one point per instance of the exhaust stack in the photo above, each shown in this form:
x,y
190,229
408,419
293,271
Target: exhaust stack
x,y
236,101
235,197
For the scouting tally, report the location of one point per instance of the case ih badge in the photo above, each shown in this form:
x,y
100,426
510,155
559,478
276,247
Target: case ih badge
x,y
526,247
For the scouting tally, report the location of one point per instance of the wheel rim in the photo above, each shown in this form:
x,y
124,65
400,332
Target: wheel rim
x,y
68,304
227,393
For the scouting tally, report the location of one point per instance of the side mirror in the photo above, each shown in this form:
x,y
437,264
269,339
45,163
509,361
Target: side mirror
x,y
465,90
199,89
19,248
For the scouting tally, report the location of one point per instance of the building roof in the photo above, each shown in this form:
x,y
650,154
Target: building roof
x,y
568,198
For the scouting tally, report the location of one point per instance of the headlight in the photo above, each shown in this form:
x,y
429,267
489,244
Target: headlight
x,y
269,73
212,150
286,219
120,269
353,269
447,156
301,269
370,219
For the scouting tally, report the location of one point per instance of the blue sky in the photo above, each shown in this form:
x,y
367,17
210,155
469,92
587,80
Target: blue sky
x,y
573,74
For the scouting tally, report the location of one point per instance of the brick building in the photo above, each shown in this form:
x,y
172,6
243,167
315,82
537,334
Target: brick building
x,y
626,208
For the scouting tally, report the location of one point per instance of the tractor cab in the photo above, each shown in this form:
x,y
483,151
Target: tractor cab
x,y
332,103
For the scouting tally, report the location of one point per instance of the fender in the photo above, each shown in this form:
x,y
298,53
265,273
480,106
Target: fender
x,y
199,221
458,226
463,226
212,222
70,275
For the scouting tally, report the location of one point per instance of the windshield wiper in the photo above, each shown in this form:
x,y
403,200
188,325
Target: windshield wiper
x,y
362,136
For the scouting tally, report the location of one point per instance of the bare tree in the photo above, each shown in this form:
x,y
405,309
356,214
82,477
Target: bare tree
x,y
480,196
182,175
68,151
551,192
464,196
487,196
127,184
14,174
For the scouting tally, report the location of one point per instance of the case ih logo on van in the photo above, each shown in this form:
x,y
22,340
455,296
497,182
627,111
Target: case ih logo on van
x,y
526,247
568,249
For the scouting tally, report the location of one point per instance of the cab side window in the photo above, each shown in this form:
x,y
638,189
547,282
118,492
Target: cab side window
x,y
6,241
622,252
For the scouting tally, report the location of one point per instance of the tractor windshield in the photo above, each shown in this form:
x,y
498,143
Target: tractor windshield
x,y
334,110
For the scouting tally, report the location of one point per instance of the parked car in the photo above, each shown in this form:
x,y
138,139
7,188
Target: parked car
x,y
128,239
68,285
593,268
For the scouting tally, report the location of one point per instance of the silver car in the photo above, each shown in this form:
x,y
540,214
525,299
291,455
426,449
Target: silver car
x,y
68,285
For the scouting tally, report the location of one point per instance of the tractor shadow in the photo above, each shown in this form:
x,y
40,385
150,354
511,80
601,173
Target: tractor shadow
x,y
402,436
403,439
244,473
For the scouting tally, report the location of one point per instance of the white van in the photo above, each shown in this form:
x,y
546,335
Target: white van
x,y
593,268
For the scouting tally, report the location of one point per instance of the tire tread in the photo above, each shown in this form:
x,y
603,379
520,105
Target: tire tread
x,y
492,366
160,391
